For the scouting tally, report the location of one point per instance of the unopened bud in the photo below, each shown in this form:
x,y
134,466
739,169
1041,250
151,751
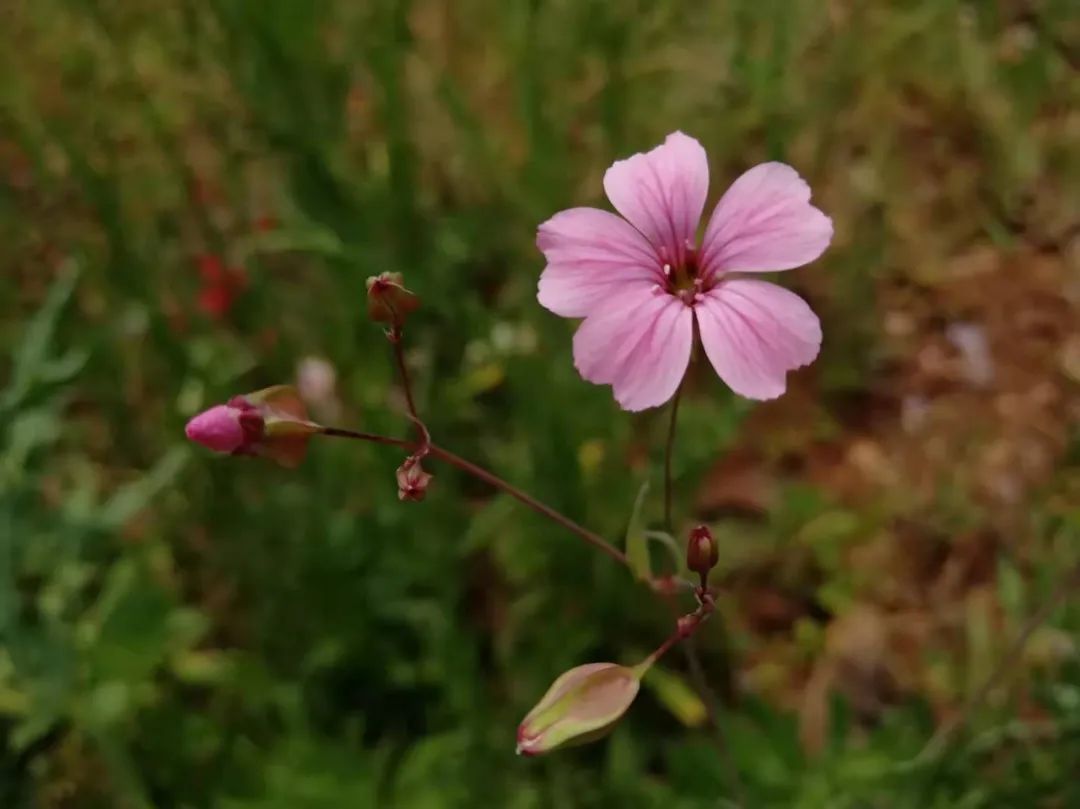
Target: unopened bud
x,y
702,552
580,706
388,299
219,429
271,423
412,480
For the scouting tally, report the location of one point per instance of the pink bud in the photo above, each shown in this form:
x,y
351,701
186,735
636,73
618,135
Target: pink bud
x,y
581,705
412,480
271,423
217,428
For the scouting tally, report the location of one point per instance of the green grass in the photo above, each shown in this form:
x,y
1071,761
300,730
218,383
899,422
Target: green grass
x,y
178,630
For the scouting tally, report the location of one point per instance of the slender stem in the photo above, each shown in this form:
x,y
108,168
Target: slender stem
x,y
338,432
685,627
648,662
593,539
668,453
394,336
491,479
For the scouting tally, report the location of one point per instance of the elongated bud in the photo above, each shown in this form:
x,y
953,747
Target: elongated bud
x,y
388,300
702,552
271,423
580,706
412,480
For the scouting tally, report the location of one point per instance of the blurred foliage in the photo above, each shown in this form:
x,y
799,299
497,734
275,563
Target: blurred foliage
x,y
178,630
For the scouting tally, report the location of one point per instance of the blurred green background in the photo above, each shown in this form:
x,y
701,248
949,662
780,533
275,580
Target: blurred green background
x,y
191,196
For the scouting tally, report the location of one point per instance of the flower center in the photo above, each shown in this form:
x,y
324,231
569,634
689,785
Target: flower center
x,y
684,280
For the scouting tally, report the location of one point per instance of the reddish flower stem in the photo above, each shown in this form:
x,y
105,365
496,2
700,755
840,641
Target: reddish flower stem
x,y
491,479
374,438
394,336
593,539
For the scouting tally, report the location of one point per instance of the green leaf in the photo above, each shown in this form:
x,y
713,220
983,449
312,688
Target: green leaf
x,y
637,543
128,501
32,364
677,696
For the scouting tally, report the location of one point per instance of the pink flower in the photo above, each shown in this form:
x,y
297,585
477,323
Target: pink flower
x,y
641,281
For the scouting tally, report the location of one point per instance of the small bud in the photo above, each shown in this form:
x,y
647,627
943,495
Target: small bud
x,y
702,552
271,423
412,480
581,705
388,300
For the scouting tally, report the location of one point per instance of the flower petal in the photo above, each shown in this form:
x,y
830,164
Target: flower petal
x,y
765,222
754,333
662,193
639,343
591,254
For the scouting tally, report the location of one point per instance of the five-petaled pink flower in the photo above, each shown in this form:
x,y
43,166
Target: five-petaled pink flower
x,y
641,282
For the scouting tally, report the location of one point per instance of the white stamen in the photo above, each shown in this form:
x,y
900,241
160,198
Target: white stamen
x,y
667,269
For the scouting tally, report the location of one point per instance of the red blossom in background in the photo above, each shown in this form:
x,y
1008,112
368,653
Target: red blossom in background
x,y
266,223
221,286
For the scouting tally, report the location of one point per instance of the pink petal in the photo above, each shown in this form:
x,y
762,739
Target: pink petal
x,y
639,343
217,428
591,254
754,333
662,193
765,222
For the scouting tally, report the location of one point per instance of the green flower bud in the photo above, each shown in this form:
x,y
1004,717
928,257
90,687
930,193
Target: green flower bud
x,y
581,705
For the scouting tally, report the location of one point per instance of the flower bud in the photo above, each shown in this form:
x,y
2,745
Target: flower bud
x,y
218,429
388,300
271,423
580,706
702,551
412,480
